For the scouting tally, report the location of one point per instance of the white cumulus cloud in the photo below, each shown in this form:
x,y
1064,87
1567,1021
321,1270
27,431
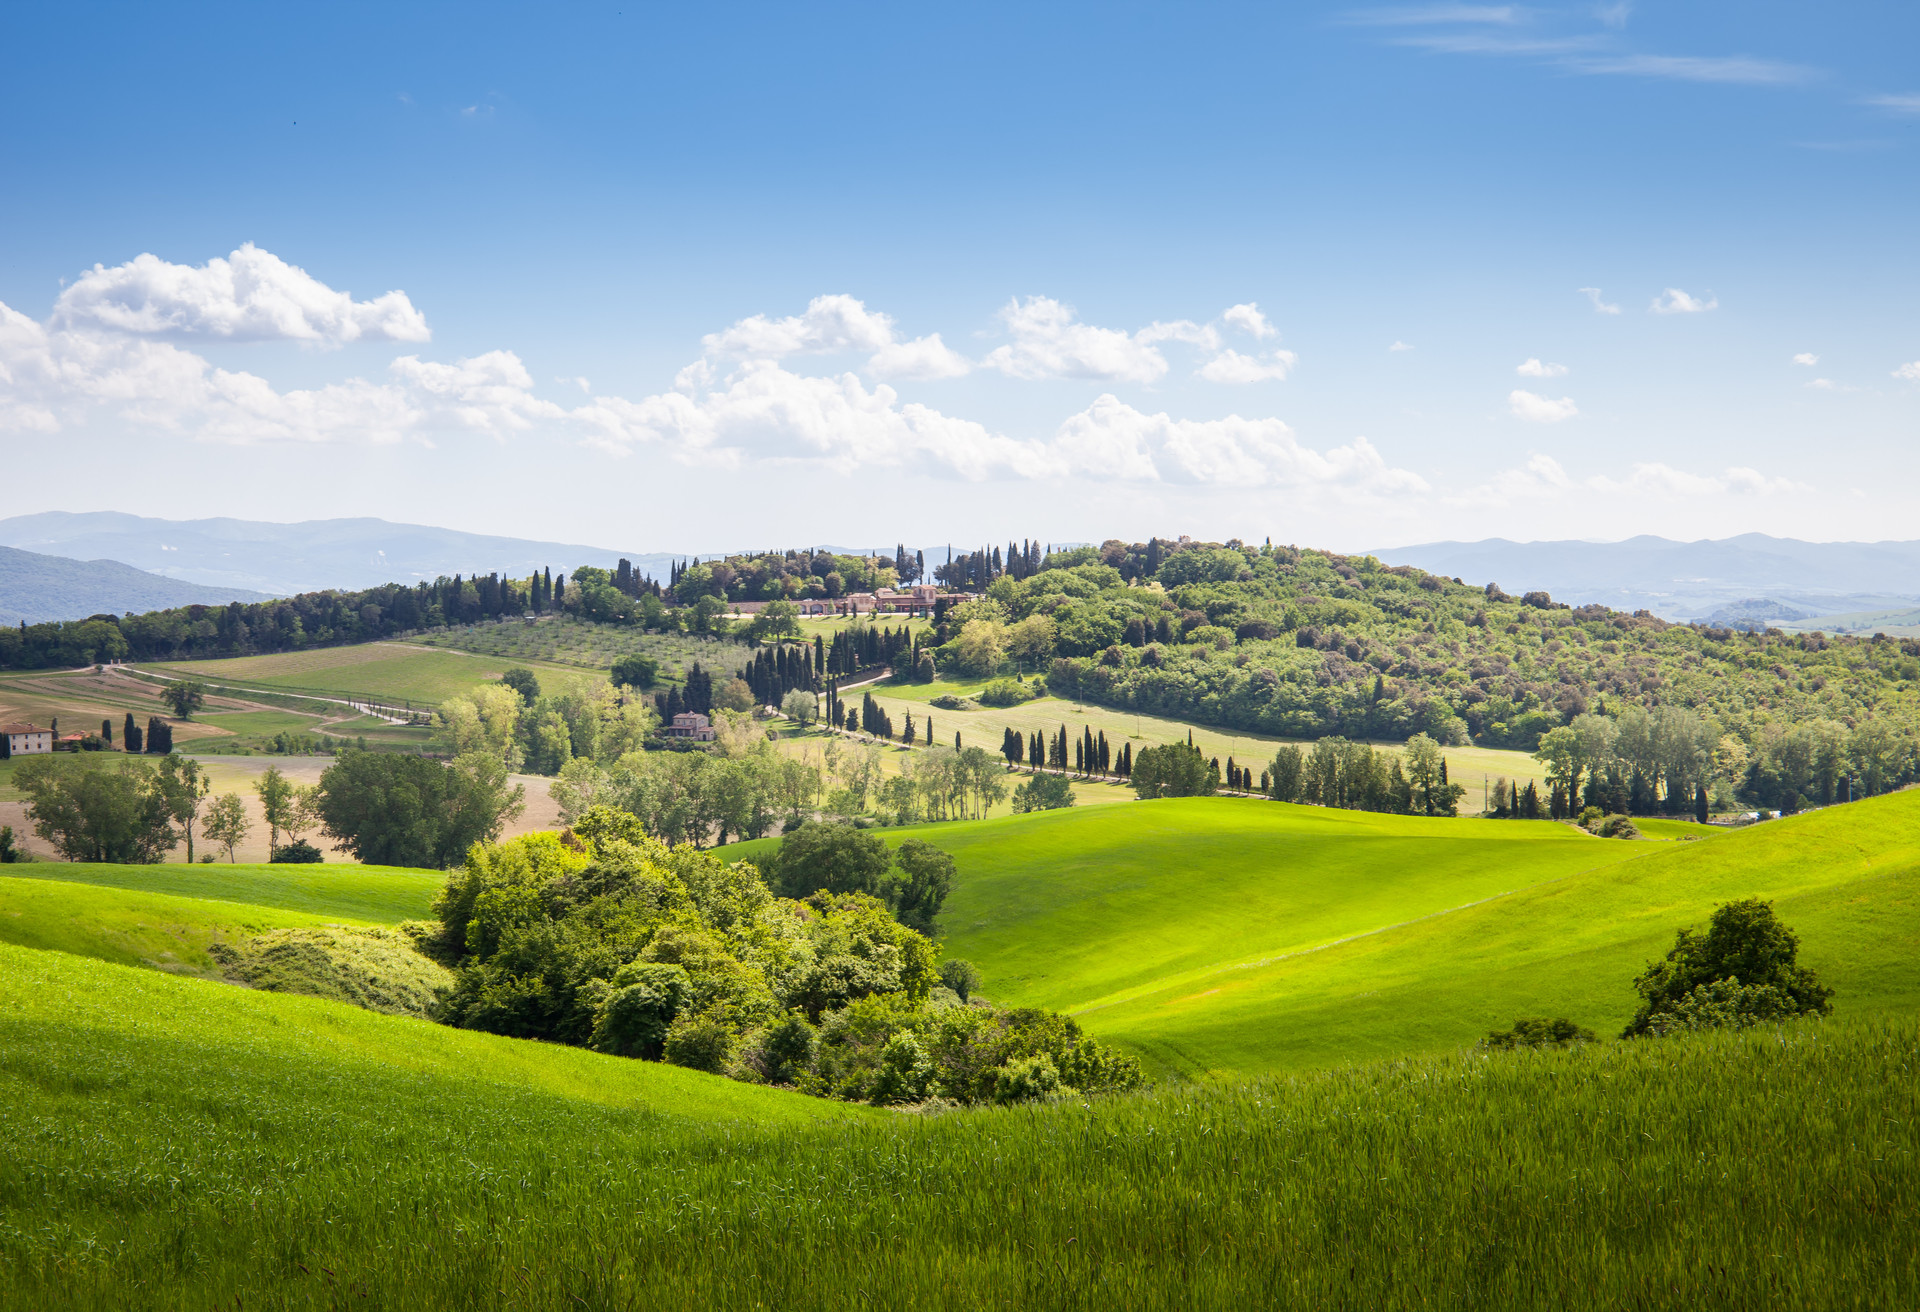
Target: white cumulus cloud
x,y
833,324
1248,319
1532,368
1539,409
1806,358
1111,439
1050,342
252,295
1675,301
1910,372
738,404
1600,306
1232,367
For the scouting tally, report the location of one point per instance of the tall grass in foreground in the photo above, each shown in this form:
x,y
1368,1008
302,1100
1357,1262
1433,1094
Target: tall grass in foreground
x,y
147,1165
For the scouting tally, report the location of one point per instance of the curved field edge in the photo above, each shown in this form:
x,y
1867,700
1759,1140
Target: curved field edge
x,y
168,1143
379,895
130,927
1217,937
74,1019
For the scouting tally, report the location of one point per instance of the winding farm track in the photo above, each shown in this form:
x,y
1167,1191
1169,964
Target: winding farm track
x,y
391,714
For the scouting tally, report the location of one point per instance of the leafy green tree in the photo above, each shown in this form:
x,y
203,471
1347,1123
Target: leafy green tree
x,y
1174,770
184,784
524,682
636,671
633,1020
777,619
390,809
1751,961
1043,792
960,975
185,696
830,858
276,802
91,810
1287,774
919,891
800,706
227,824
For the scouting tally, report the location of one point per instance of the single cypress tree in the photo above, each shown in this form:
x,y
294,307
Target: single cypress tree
x,y
1700,803
106,731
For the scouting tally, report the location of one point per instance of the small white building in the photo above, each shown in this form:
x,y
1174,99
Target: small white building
x,y
27,739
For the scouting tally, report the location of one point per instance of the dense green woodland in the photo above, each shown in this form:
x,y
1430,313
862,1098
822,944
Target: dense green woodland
x,y
1279,640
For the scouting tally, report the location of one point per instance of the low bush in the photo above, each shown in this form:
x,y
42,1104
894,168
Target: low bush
x,y
1008,692
299,853
1537,1032
378,969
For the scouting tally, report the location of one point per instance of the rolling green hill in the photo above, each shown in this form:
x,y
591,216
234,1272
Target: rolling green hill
x,y
376,895
1222,936
130,927
170,1143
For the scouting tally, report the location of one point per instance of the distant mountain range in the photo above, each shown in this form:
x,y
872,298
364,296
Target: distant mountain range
x,y
283,559
1750,576
245,558
36,588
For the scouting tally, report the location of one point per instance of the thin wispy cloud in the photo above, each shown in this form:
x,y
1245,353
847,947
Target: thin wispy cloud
x,y
1423,15
1487,43
1737,69
1599,306
1910,372
1901,104
1535,368
1401,346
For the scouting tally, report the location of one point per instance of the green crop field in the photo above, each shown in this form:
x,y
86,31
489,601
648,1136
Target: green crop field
x,y
1471,766
563,640
1223,936
131,927
375,895
392,672
169,1143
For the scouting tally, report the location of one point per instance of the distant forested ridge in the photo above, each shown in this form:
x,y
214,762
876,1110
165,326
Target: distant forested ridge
x,y
1274,639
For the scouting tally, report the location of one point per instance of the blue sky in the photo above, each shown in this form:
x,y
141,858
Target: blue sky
x,y
696,277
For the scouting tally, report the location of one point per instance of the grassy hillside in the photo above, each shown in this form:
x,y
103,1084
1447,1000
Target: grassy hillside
x,y
1471,766
394,672
170,1143
375,895
1221,936
130,927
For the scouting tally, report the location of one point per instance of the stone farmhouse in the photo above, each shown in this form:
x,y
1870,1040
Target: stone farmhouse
x,y
27,739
